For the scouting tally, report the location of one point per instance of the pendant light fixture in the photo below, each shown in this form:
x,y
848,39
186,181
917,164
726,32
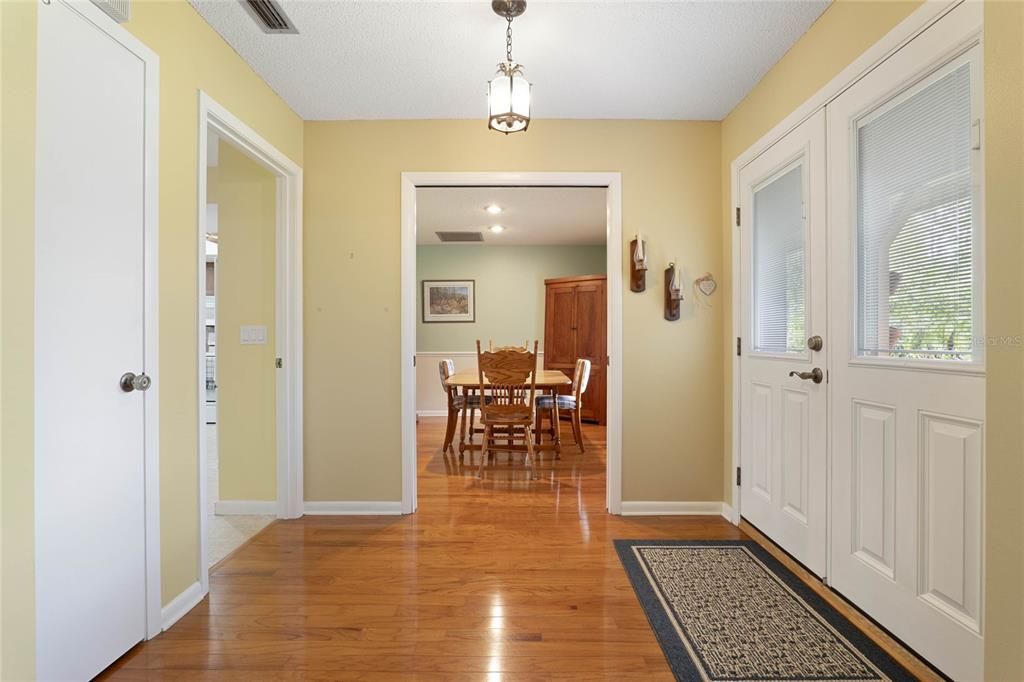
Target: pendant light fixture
x,y
508,93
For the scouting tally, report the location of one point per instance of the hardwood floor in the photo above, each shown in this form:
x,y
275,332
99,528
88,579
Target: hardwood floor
x,y
495,579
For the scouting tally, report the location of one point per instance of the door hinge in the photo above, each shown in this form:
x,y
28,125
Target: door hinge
x,y
739,475
976,134
414,361
737,216
278,362
739,346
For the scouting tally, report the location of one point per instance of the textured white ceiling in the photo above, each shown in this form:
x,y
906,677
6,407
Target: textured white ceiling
x,y
600,59
531,215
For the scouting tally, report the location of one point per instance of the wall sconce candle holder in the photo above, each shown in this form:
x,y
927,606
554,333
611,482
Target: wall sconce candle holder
x,y
637,265
673,293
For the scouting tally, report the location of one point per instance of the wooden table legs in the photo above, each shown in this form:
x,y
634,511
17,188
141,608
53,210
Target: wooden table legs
x,y
468,415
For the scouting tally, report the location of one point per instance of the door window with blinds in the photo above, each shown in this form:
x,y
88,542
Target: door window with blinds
x,y
779,263
915,224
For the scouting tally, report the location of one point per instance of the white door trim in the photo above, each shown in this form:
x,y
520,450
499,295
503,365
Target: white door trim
x,y
288,310
926,15
612,181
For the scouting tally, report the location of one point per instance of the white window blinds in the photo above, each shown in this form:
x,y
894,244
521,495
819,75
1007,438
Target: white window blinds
x,y
915,228
779,300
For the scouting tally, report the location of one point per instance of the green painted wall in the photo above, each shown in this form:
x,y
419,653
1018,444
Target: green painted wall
x,y
509,290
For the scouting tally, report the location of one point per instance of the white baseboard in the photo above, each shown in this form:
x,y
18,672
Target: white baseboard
x,y
432,413
673,508
727,512
367,508
182,604
245,508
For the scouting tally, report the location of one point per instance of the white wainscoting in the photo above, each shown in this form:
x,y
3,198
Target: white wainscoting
x,y
430,400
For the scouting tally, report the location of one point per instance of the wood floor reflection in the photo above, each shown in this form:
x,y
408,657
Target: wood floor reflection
x,y
499,578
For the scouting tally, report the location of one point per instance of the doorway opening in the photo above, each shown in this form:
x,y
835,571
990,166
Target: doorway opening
x,y
543,268
240,379
249,341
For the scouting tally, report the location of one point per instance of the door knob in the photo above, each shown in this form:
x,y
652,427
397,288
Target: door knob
x,y
130,381
815,343
815,375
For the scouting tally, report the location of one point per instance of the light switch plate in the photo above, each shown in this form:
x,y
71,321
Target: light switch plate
x,y
253,335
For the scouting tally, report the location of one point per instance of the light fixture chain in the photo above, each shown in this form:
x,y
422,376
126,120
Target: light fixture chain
x,y
508,39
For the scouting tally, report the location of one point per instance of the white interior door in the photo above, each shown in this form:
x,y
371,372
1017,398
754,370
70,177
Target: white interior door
x,y
783,387
908,384
91,291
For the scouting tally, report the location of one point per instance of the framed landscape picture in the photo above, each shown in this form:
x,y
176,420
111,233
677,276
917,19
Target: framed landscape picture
x,y
449,300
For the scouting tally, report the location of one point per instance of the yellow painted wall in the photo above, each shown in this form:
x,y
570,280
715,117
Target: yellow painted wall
x,y
841,34
1,339
192,57
1004,395
17,251
672,441
245,194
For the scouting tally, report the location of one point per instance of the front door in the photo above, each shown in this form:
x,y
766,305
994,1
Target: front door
x,y
783,349
908,383
90,302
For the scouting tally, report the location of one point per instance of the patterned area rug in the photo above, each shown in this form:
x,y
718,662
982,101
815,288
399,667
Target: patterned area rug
x,y
728,610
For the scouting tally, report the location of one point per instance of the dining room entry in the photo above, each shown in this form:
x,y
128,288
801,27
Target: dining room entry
x,y
511,275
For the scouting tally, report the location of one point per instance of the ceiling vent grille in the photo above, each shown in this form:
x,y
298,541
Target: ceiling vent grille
x,y
460,236
269,16
118,10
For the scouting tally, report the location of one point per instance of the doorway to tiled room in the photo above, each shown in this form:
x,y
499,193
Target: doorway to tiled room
x,y
239,412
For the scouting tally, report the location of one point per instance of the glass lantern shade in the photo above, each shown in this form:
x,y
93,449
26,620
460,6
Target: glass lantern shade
x,y
508,100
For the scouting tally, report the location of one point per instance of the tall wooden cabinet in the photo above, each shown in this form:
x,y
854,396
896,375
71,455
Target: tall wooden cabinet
x,y
575,326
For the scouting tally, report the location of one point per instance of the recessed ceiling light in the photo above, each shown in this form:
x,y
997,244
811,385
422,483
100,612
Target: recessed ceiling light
x,y
494,209
496,228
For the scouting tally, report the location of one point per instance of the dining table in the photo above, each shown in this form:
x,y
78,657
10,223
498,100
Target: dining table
x,y
467,382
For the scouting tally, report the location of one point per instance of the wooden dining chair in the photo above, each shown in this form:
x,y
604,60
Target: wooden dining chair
x,y
552,406
456,404
523,348
510,379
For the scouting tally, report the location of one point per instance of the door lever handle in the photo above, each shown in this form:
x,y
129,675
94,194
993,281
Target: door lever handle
x,y
815,375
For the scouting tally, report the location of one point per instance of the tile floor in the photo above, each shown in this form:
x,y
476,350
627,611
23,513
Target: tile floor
x,y
224,533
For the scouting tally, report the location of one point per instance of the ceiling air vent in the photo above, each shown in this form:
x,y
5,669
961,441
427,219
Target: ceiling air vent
x,y
269,15
118,10
460,236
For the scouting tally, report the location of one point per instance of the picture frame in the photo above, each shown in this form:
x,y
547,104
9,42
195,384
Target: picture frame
x,y
449,300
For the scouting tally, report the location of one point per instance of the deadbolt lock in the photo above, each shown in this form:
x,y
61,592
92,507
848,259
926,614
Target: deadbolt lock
x,y
815,343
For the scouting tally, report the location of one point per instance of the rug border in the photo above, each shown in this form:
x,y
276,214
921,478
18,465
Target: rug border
x,y
665,631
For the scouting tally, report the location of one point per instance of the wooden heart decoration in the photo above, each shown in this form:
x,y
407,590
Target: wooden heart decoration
x,y
707,285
